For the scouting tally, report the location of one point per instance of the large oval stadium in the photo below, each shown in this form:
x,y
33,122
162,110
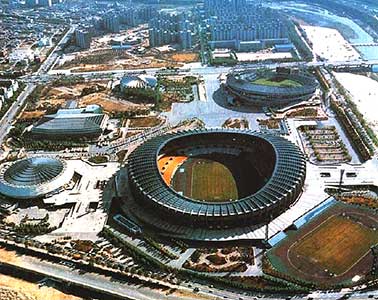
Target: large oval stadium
x,y
270,88
216,178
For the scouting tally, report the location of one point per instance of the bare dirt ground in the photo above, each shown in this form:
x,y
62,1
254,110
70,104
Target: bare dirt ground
x,y
29,115
17,289
105,60
54,97
145,122
186,57
146,63
97,63
184,294
109,103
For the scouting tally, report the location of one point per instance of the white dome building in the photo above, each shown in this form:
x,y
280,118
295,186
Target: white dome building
x,y
150,80
33,177
141,81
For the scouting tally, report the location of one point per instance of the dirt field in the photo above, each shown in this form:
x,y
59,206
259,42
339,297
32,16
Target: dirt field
x,y
184,57
29,115
13,288
207,180
330,245
146,64
103,60
56,97
124,63
144,122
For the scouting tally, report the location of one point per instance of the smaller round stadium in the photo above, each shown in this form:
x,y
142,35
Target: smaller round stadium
x,y
33,177
270,88
213,179
138,82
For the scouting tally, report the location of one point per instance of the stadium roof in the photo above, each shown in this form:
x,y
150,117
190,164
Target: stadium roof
x,y
243,82
70,122
33,171
282,188
33,177
141,81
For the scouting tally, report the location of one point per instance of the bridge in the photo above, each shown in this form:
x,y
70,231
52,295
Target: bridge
x,y
365,45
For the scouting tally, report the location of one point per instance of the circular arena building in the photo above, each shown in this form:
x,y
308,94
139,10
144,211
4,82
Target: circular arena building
x,y
138,82
33,177
213,179
270,88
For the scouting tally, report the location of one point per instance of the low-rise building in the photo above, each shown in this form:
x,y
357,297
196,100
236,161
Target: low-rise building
x,y
8,87
81,122
21,54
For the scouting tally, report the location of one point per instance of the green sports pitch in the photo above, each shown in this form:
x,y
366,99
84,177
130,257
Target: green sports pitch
x,y
205,180
277,82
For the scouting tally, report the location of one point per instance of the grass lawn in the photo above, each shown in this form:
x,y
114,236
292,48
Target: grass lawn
x,y
212,181
336,244
277,82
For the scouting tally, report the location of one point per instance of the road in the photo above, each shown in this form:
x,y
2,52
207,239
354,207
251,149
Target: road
x,y
11,114
50,60
195,68
92,280
140,292
123,288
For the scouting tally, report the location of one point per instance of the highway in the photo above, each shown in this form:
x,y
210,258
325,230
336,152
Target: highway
x,y
195,68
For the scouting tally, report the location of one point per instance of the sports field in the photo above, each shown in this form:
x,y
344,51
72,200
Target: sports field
x,y
335,245
206,180
277,82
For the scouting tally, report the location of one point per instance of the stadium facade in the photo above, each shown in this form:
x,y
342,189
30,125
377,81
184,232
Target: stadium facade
x,y
240,85
33,177
279,164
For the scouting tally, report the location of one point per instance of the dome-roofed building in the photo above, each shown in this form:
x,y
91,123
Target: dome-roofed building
x,y
150,80
33,177
140,81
